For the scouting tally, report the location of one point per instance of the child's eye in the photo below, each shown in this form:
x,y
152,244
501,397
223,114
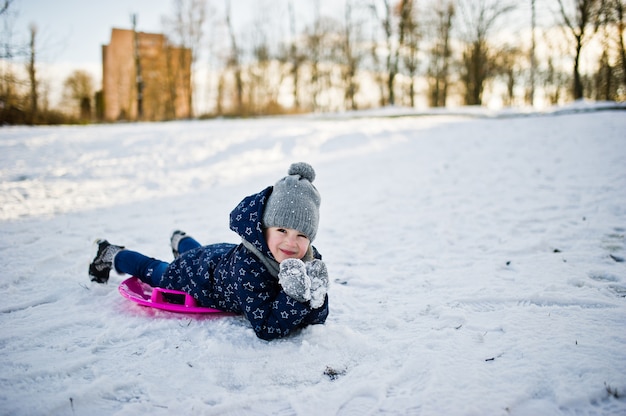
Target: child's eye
x,y
303,236
281,230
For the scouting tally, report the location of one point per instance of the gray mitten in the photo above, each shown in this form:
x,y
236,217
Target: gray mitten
x,y
294,280
316,270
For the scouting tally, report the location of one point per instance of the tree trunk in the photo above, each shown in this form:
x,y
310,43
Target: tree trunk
x,y
578,84
32,76
620,32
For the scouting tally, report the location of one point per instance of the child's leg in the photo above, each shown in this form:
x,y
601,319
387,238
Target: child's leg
x,y
187,243
147,269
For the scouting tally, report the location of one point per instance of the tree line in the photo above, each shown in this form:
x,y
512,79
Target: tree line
x,y
376,53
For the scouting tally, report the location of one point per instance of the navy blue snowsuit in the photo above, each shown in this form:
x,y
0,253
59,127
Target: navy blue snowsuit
x,y
231,278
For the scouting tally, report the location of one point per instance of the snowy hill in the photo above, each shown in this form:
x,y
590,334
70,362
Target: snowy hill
x,y
476,261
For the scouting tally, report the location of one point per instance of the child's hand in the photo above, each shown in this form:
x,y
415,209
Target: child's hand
x,y
293,278
316,270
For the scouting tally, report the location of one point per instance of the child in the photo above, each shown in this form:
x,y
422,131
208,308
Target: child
x,y
275,277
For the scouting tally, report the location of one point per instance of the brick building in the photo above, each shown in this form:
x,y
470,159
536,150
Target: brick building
x,y
165,75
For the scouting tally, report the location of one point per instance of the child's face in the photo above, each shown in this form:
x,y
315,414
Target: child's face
x,y
286,243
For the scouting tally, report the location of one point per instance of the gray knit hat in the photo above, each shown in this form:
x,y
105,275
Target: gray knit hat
x,y
294,202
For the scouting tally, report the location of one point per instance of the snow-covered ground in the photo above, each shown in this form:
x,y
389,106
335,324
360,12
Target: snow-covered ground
x,y
477,266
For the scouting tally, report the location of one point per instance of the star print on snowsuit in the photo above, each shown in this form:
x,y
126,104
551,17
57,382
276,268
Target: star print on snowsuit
x,y
231,278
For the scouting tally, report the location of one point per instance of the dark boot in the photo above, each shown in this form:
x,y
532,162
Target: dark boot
x,y
103,262
175,241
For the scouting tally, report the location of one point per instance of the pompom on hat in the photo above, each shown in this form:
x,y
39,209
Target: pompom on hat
x,y
294,201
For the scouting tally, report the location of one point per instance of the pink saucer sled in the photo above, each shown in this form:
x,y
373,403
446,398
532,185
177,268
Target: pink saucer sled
x,y
159,298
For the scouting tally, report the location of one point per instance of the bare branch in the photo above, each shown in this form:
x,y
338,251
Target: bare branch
x,y
4,7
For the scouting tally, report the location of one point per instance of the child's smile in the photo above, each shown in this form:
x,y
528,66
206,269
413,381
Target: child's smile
x,y
286,243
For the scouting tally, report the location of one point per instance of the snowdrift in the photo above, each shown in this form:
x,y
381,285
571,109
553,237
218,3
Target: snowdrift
x,y
476,262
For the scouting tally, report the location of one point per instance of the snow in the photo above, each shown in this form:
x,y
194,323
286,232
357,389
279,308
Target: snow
x,y
475,261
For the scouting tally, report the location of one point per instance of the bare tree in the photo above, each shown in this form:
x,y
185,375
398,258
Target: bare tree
x,y
350,55
409,38
13,103
79,87
314,46
186,32
32,75
234,61
605,82
4,6
258,72
578,17
440,53
378,69
219,105
319,49
384,16
552,79
507,62
533,55
294,56
620,15
264,74
479,18
138,72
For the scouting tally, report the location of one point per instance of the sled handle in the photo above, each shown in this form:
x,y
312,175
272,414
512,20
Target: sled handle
x,y
157,296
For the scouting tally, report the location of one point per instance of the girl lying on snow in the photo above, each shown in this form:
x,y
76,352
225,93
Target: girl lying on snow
x,y
275,277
